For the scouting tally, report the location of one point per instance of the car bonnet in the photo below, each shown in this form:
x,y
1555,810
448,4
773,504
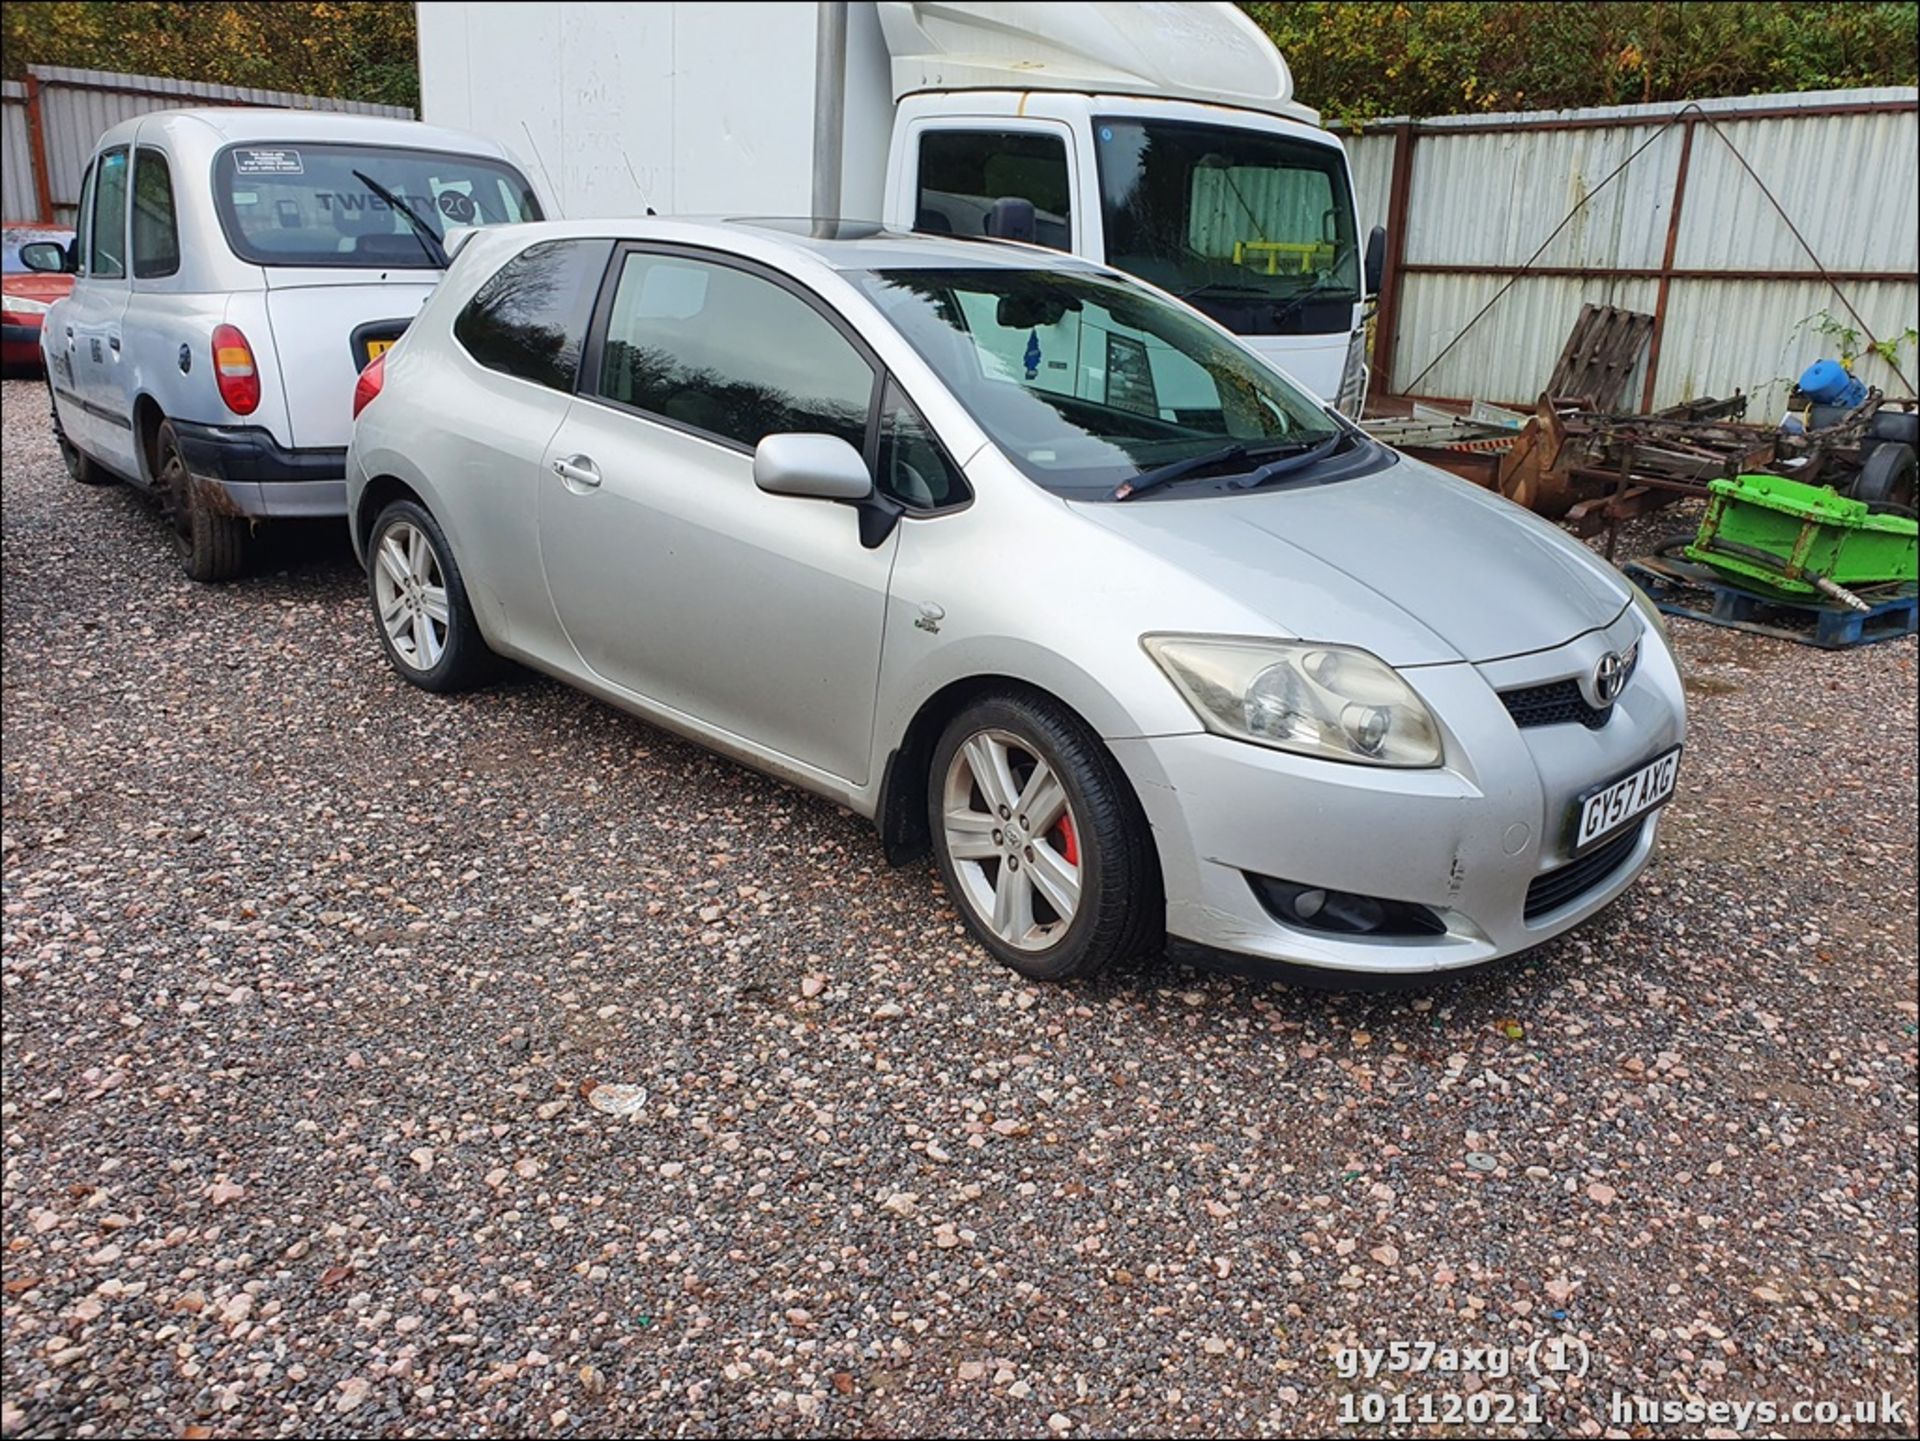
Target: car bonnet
x,y
1410,563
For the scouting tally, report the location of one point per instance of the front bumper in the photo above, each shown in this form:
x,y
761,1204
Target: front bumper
x,y
1466,840
243,470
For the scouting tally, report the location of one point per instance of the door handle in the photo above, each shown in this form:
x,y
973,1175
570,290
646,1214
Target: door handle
x,y
113,342
577,470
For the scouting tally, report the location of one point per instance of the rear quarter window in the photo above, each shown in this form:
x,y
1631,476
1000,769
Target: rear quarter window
x,y
531,318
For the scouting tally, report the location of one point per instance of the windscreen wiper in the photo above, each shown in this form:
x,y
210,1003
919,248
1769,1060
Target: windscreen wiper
x,y
429,242
1148,479
1292,464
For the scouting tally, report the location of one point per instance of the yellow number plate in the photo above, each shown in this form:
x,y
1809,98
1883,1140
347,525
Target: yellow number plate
x,y
378,348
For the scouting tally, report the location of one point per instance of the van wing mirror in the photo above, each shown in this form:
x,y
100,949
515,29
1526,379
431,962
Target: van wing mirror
x,y
49,257
1011,218
1376,259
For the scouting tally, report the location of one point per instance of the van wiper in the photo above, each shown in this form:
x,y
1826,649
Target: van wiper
x,y
1193,465
1293,464
429,242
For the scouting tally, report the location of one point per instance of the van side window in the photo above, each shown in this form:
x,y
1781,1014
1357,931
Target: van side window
x,y
531,319
914,467
962,172
107,241
730,353
156,234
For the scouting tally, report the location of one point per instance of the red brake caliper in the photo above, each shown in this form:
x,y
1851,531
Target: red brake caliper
x,y
1069,842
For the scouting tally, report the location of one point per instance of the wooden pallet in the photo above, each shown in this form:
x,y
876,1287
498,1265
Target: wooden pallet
x,y
1828,624
1601,355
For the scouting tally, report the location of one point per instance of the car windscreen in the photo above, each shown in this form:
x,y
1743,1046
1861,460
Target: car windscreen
x,y
1084,381
1253,228
305,204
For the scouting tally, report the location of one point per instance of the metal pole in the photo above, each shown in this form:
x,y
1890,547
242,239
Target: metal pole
x,y
37,148
829,107
1386,310
1666,266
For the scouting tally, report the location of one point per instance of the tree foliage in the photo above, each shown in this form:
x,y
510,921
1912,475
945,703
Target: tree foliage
x,y
1352,60
361,50
1359,61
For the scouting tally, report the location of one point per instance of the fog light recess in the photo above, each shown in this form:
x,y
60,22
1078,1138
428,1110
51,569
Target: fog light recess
x,y
1342,913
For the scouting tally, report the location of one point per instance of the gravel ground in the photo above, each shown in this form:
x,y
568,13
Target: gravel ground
x,y
307,973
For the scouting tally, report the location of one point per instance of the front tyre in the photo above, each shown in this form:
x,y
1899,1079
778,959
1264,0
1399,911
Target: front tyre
x,y
420,606
1040,840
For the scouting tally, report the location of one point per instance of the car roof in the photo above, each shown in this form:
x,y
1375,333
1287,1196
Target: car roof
x,y
243,123
838,244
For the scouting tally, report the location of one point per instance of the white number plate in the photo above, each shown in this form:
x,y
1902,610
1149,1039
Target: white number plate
x,y
1614,805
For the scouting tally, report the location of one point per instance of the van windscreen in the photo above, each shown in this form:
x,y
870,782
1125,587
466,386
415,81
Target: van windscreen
x,y
305,204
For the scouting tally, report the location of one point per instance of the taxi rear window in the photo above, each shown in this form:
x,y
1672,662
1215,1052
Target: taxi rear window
x,y
302,204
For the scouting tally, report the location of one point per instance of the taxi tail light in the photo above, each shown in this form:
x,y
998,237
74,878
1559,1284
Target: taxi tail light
x,y
234,371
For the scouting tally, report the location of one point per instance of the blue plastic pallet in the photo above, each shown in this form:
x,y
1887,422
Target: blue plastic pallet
x,y
1892,610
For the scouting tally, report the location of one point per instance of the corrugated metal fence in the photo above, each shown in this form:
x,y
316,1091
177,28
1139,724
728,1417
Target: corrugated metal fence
x,y
55,116
1683,233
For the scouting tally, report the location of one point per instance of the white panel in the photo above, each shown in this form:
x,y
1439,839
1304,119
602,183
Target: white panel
x,y
1849,183
1370,156
1493,198
743,108
616,87
1757,336
1509,356
20,200
869,120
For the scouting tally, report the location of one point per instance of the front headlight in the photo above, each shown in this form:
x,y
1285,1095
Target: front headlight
x,y
1329,701
24,305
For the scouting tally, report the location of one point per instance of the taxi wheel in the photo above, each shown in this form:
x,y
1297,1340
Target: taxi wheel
x,y
210,546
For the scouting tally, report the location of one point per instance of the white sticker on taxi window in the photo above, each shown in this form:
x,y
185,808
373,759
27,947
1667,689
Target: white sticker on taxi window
x,y
277,161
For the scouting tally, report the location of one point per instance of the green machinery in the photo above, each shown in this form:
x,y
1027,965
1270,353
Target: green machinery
x,y
1781,538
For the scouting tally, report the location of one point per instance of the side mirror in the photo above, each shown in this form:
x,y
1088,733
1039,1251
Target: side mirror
x,y
822,466
1011,218
47,256
1376,267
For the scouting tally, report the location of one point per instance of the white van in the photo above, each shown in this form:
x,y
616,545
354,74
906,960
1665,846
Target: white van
x,y
236,269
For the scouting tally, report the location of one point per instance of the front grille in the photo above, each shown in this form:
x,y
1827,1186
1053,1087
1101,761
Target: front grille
x,y
1556,703
1556,888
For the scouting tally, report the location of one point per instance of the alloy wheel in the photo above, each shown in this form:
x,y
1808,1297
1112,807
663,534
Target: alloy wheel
x,y
411,594
1011,834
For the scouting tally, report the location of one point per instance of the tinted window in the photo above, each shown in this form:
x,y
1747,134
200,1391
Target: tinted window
x,y
730,353
531,319
914,468
156,237
108,243
313,204
962,172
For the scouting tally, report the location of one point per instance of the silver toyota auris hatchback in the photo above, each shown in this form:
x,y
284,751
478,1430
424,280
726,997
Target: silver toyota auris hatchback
x,y
1035,567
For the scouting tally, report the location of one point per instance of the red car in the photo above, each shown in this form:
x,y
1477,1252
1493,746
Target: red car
x,y
25,296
